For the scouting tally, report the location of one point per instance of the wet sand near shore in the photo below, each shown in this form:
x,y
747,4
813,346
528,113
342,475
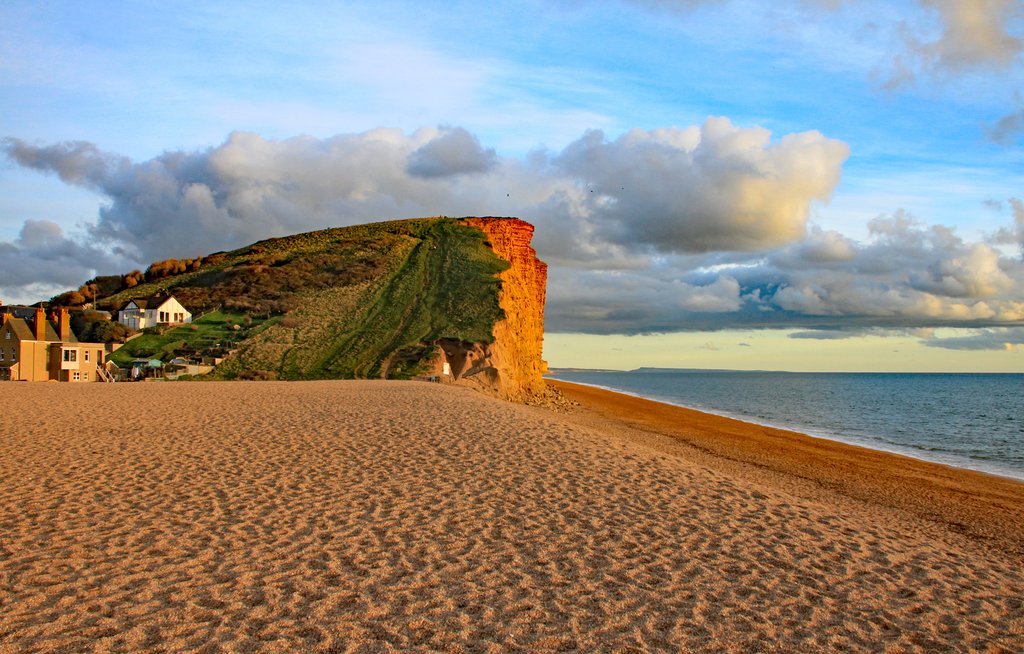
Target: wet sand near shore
x,y
982,506
373,516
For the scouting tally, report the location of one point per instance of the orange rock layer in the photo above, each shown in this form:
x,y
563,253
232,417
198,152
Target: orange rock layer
x,y
516,354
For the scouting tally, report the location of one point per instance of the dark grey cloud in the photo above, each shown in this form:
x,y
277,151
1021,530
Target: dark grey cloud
x,y
76,162
638,301
1006,338
907,275
1014,234
454,152
1007,128
825,335
43,261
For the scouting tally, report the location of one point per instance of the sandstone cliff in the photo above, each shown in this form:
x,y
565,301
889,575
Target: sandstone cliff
x,y
516,353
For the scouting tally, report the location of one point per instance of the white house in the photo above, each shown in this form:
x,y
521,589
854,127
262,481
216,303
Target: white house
x,y
156,310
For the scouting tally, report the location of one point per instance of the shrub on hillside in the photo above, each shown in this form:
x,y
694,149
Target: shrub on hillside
x,y
169,267
132,279
68,299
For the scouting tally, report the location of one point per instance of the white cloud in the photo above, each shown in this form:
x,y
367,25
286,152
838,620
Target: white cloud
x,y
713,187
907,273
722,295
974,34
975,273
931,43
659,230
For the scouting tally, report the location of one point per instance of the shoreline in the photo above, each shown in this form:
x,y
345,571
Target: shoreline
x,y
834,438
979,505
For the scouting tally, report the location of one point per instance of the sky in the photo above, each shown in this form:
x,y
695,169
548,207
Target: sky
x,y
786,185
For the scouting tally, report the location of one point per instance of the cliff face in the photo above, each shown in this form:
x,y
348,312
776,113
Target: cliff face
x,y
516,353
456,300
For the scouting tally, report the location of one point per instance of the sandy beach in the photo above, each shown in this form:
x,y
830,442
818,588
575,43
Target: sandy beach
x,y
399,516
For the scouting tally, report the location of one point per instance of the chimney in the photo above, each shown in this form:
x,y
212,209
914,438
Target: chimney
x,y
64,325
40,324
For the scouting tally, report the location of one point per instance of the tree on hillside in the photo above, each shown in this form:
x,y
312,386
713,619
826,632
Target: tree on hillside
x,y
68,299
95,327
104,331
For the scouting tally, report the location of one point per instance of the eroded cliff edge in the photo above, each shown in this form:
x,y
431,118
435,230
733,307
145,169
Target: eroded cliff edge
x,y
516,355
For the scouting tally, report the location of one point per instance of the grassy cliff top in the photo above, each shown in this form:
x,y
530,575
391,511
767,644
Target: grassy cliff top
x,y
345,302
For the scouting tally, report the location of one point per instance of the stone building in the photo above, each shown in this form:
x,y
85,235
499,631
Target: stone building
x,y
33,348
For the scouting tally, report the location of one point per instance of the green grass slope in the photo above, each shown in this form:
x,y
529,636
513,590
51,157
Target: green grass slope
x,y
213,331
352,302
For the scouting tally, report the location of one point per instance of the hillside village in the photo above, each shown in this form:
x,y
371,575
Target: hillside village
x,y
39,346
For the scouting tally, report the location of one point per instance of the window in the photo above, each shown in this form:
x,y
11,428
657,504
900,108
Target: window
x,y
87,356
7,335
77,376
1,354
164,317
85,375
71,356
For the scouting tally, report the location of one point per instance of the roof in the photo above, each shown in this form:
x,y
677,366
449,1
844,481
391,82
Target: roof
x,y
152,302
21,329
18,311
26,332
159,300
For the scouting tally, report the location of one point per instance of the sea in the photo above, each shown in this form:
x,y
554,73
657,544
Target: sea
x,y
971,421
